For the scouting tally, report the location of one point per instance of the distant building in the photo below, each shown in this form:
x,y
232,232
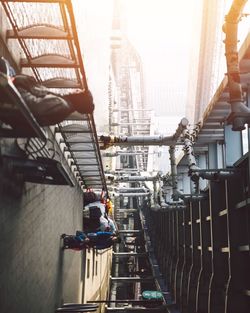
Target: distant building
x,y
127,109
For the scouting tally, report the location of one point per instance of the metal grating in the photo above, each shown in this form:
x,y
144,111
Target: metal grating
x,y
80,141
47,35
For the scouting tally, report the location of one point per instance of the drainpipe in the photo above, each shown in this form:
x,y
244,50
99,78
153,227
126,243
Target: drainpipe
x,y
155,192
176,193
188,149
161,193
240,112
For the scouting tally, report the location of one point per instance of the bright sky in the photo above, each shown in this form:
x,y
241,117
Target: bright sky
x,y
162,32
159,24
166,34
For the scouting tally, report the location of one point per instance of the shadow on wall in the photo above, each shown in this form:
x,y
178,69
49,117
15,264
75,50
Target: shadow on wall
x,y
59,300
11,183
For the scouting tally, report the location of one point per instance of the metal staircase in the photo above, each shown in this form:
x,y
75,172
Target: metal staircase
x,y
46,33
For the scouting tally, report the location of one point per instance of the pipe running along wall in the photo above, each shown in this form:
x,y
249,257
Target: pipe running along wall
x,y
108,141
233,71
137,178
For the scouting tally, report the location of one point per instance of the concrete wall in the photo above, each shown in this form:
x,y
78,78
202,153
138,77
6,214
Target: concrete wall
x,y
97,274
13,52
36,275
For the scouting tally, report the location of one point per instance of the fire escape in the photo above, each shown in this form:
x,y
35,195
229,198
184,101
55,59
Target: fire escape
x,y
42,42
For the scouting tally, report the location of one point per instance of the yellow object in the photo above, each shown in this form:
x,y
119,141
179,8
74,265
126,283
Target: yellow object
x,y
109,207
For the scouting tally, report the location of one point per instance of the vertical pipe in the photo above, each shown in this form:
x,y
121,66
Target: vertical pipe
x,y
233,69
173,172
